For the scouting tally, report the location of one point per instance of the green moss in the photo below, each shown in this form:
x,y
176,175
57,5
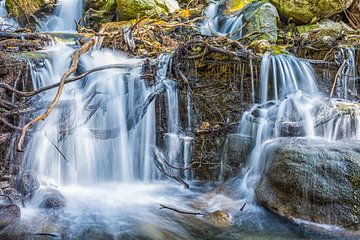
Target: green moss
x,y
30,7
132,9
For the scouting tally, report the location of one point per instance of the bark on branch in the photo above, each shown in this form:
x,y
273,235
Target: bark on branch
x,y
75,60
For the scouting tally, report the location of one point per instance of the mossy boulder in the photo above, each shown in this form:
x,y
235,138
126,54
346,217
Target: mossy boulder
x,y
131,9
98,12
233,6
312,179
33,9
303,11
262,19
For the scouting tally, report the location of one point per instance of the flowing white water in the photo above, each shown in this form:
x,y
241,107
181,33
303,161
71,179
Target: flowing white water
x,y
6,23
288,98
348,84
289,106
218,24
66,13
86,139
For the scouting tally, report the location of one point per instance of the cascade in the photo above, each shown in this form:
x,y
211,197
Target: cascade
x,y
6,23
217,24
289,99
66,13
178,144
286,88
86,139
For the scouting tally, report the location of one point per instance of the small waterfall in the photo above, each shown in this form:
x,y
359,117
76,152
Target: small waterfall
x,y
86,140
66,13
285,74
348,84
287,90
6,23
218,24
178,145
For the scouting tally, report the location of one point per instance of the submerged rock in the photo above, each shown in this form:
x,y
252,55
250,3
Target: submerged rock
x,y
50,199
9,214
236,149
303,11
128,10
24,10
313,179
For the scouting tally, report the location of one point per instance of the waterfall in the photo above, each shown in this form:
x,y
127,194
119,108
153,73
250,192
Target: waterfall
x,y
347,85
86,139
6,23
66,13
218,24
291,106
288,98
178,144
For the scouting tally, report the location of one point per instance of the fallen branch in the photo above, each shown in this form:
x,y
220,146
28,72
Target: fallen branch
x,y
180,211
69,80
75,60
159,163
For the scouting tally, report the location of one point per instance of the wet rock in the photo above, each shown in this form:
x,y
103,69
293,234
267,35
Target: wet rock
x,y
51,199
99,12
292,129
312,179
128,10
27,183
303,11
236,149
262,19
9,214
32,8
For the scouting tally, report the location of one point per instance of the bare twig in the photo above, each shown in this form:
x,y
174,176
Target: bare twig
x,y
180,211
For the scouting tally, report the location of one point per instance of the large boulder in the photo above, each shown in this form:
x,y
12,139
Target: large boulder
x,y
313,179
132,9
303,11
28,10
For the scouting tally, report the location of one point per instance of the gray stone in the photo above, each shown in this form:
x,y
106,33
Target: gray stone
x,y
51,199
236,149
312,179
9,214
